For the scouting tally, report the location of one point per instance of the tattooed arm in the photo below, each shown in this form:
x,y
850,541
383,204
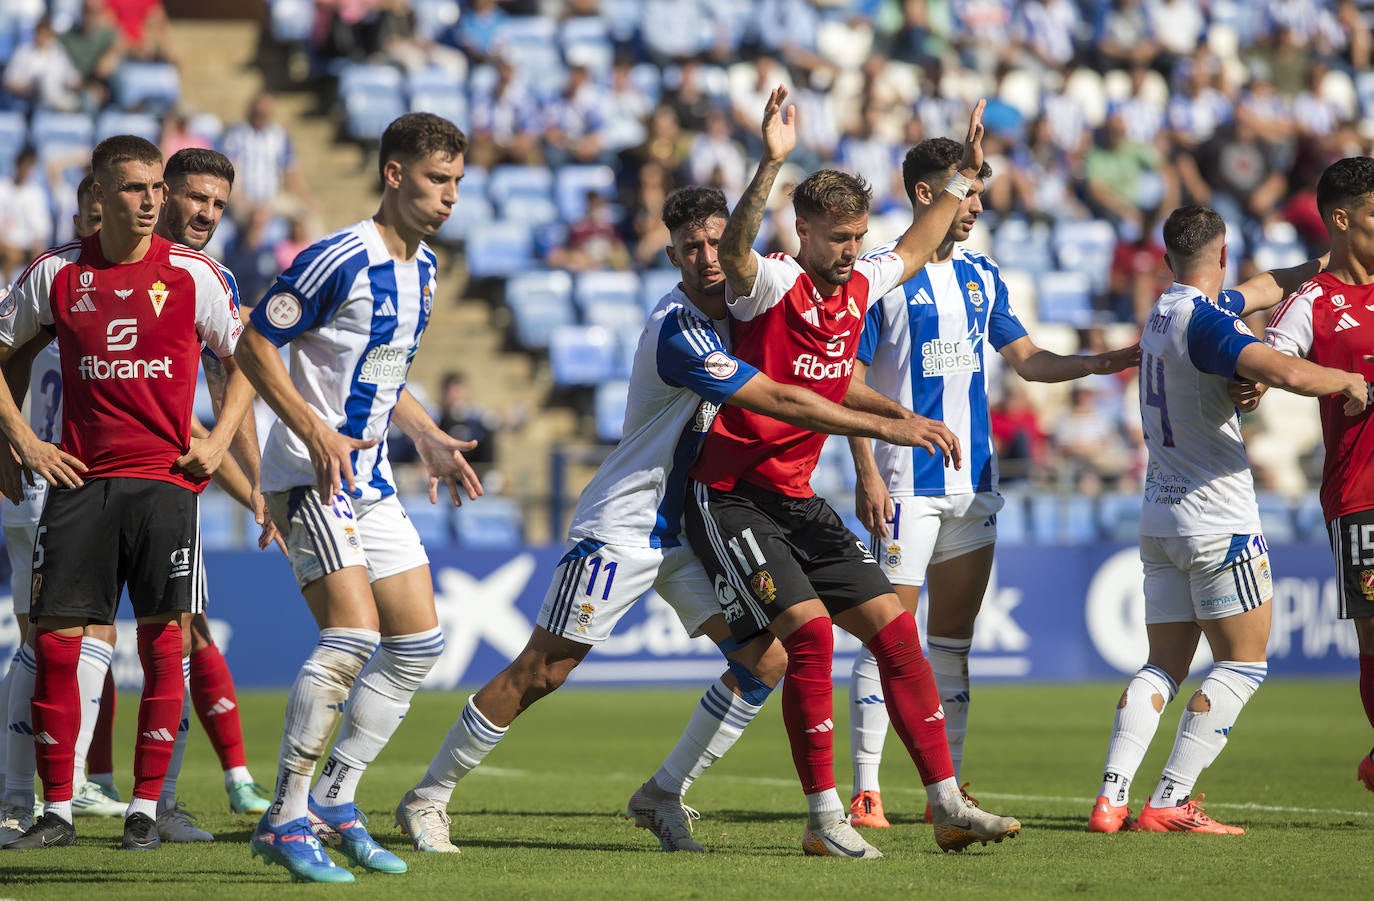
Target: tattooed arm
x,y
737,241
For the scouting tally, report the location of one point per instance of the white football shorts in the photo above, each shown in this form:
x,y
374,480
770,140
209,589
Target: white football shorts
x,y
596,584
19,542
1204,576
324,538
926,530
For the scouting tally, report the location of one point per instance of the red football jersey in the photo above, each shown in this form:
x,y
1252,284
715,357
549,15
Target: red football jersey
x,y
796,337
129,338
1332,324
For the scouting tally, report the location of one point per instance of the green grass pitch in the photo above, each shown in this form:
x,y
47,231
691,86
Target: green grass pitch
x,y
542,817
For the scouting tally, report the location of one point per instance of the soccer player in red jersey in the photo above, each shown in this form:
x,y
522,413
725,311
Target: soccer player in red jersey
x,y
130,311
780,557
1330,321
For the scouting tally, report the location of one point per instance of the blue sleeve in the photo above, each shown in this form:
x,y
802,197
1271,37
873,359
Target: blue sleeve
x,y
309,293
691,356
1215,339
1004,326
1232,301
873,331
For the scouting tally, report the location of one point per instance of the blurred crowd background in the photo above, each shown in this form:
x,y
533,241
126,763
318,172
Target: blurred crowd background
x,y
584,115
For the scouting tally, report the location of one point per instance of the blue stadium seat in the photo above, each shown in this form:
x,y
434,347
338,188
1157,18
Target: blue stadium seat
x,y
471,212
654,284
1278,254
626,320
499,248
1086,245
13,137
1119,516
219,521
1276,518
1012,527
432,521
1064,297
622,20
586,41
1019,244
1309,521
50,128
649,79
489,522
356,78
437,91
540,303
153,87
531,208
528,181
571,184
433,17
368,112
292,20
607,286
1062,519
118,122
609,406
530,45
583,355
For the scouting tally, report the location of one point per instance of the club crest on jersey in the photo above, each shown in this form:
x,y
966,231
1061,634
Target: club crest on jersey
x,y
892,558
853,308
584,617
975,293
427,298
761,583
7,303
1367,584
158,294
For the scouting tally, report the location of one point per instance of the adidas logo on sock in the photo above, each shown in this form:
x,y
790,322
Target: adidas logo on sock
x,y
960,698
1224,732
938,715
43,738
159,735
223,705
827,726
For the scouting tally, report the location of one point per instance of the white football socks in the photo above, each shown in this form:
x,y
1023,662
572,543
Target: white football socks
x,y
1137,718
868,721
1202,734
378,702
464,747
168,799
716,724
20,765
949,663
91,668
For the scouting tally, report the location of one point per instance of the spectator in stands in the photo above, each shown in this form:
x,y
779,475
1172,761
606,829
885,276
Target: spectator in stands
x,y
716,159
144,29
690,98
593,241
667,145
1124,38
1017,435
1047,29
649,234
177,134
477,31
574,128
866,148
298,238
42,73
1197,109
1138,274
265,161
26,222
359,29
1124,178
462,418
505,123
250,256
1040,183
95,48
626,108
1088,444
1237,174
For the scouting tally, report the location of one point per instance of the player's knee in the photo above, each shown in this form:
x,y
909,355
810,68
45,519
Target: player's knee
x,y
340,655
1199,703
750,687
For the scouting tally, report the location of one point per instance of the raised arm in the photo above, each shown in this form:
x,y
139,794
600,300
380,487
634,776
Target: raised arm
x,y
930,225
1271,286
737,240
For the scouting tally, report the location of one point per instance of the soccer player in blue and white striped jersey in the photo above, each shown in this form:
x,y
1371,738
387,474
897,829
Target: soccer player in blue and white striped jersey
x,y
925,346
353,307
626,538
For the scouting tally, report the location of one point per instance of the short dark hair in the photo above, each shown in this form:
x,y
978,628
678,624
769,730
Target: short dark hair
x,y
694,206
417,135
119,149
931,158
1343,183
841,195
198,161
84,189
1188,231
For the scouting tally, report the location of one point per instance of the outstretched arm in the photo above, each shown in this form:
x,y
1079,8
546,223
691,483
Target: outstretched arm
x,y
1035,364
1262,363
1265,290
737,241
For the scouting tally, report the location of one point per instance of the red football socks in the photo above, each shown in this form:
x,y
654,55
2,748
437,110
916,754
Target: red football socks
x,y
913,701
159,712
212,693
56,711
807,705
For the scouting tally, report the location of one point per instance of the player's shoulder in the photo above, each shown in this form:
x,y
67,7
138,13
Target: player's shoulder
x,y
200,266
427,255
783,261
51,260
345,250
977,259
881,250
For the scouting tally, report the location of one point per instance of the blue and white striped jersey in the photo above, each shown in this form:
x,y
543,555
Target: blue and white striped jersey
x,y
925,346
682,373
44,399
1198,479
353,317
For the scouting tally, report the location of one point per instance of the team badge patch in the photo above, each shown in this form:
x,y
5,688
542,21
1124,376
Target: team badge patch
x,y
1367,584
893,557
1242,328
720,365
283,310
7,303
761,583
584,617
351,535
158,294
1264,572
975,293
853,308
427,298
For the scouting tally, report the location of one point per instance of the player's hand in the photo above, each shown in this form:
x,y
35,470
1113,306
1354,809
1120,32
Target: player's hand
x,y
971,163
52,463
270,534
443,458
202,459
1356,395
1245,394
331,454
779,126
1114,360
931,435
873,505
